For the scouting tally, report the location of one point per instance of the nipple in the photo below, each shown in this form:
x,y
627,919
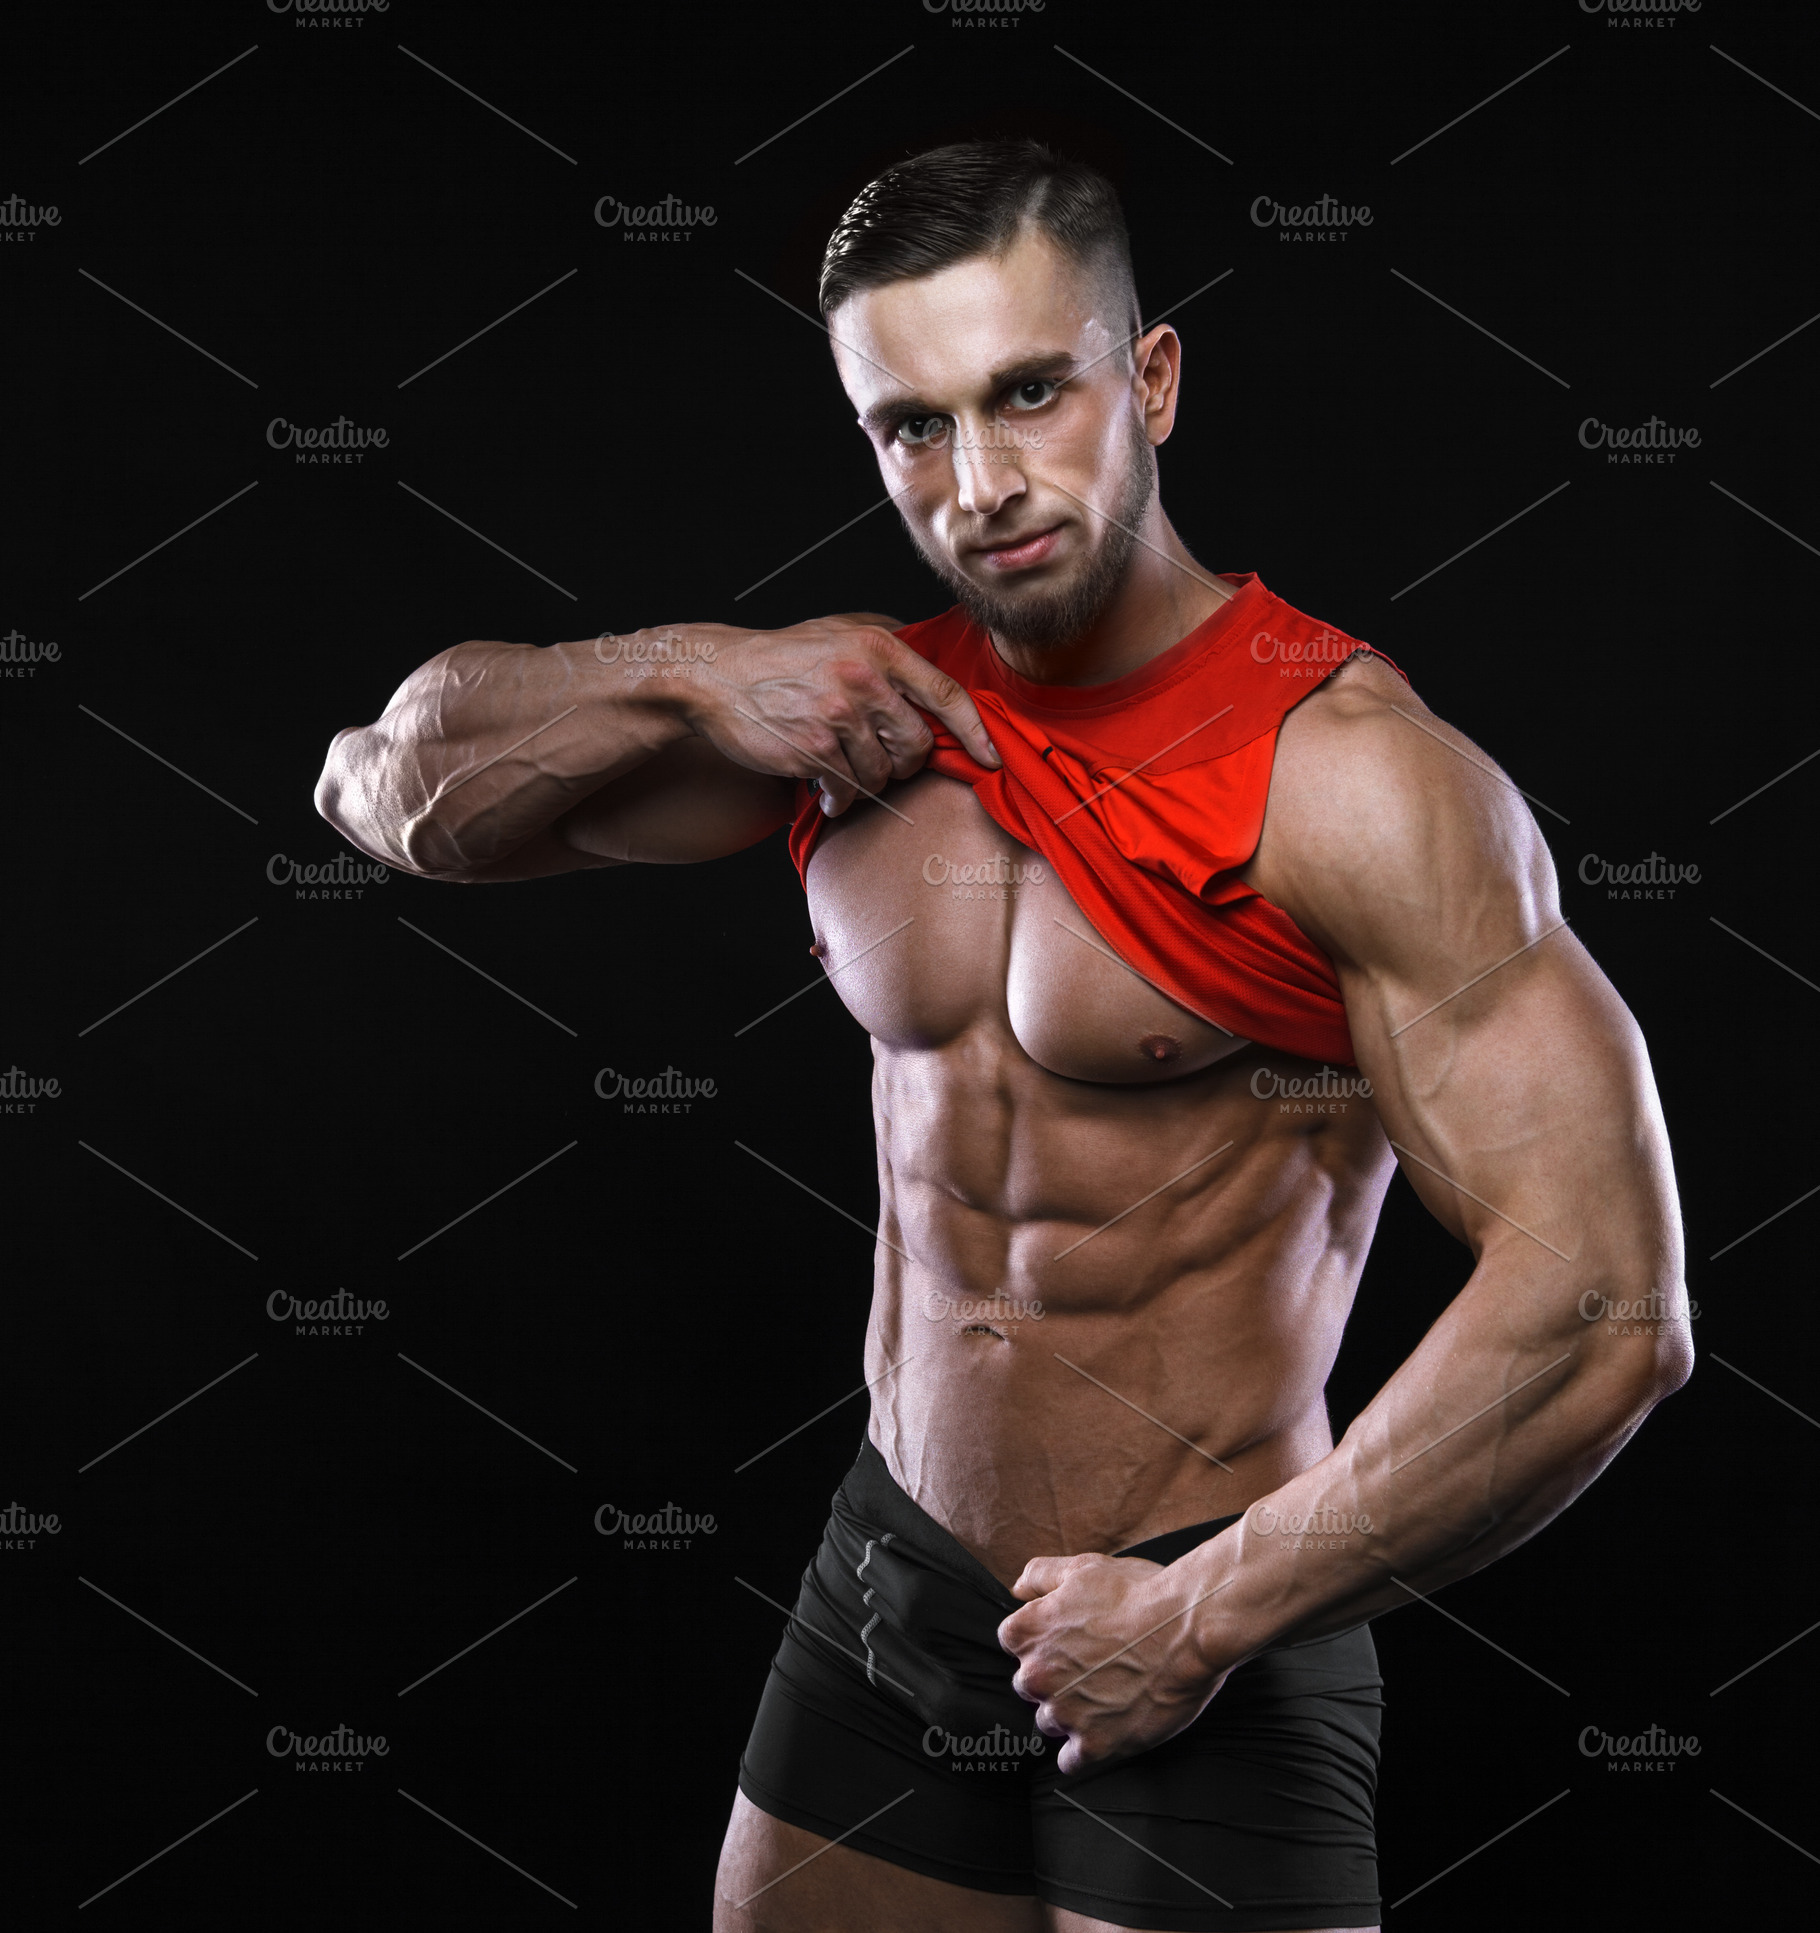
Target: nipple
x,y
820,951
1160,1047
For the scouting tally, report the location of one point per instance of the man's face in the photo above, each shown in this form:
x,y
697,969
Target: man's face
x,y
1009,425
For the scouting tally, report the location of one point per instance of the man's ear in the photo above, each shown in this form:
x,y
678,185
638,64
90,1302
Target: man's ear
x,y
1157,360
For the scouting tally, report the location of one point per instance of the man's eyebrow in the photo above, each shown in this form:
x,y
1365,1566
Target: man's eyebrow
x,y
1052,368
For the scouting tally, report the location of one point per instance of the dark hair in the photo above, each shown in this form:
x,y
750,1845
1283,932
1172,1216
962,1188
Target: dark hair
x,y
973,198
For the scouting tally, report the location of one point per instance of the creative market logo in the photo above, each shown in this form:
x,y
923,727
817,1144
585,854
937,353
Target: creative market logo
x,y
1328,1092
665,1529
339,1314
1325,220
20,1529
996,878
338,1751
20,220
992,438
999,1750
1651,1751
982,1312
983,13
21,1092
670,1092
339,442
667,655
668,220
1312,657
21,656
1653,1314
1639,13
327,13
1651,878
1651,442
343,877
1320,1528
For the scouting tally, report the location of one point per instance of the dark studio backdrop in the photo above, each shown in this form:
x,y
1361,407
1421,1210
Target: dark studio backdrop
x,y
389,1088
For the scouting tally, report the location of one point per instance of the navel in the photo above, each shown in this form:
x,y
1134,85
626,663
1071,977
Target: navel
x,y
1160,1047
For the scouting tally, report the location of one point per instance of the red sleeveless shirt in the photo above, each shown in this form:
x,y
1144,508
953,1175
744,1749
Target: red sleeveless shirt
x,y
1147,794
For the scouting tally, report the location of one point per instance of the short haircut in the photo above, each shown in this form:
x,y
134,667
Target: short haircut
x,y
975,198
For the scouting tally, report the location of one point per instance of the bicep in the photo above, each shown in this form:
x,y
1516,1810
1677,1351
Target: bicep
x,y
687,803
1509,1075
1522,1109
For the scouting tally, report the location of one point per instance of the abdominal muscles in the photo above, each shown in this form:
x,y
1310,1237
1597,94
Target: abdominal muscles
x,y
1111,1279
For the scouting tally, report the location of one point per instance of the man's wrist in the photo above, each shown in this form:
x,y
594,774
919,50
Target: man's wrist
x,y
663,672
1290,1570
1205,1582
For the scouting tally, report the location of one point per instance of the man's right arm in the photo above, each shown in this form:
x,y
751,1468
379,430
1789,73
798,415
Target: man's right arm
x,y
503,761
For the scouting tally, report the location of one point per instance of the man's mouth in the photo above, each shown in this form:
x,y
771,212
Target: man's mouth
x,y
1020,553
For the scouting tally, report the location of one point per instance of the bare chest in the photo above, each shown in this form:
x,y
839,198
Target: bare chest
x,y
934,921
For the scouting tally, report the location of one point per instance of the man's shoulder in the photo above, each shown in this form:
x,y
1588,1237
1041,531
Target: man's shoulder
x,y
1363,726
1365,689
1371,792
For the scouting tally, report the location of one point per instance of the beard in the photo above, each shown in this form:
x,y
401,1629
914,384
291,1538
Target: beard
x,y
1043,618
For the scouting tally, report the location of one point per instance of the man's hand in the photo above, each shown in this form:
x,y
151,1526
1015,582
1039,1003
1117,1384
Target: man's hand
x,y
1106,1654
832,700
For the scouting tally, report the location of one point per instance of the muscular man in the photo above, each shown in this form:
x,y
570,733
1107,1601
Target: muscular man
x,y
1107,860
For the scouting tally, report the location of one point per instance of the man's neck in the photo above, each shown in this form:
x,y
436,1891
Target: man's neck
x,y
1164,596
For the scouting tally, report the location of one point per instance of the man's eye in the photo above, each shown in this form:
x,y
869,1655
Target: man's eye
x,y
922,429
1033,394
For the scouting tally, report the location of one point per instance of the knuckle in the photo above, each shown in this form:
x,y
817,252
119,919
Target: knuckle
x,y
861,682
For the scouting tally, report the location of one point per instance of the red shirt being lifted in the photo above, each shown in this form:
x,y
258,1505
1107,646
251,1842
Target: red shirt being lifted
x,y
1146,795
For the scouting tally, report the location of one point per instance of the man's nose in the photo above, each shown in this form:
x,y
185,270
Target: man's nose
x,y
986,476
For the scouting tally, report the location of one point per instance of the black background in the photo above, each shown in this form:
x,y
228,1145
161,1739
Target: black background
x,y
653,1306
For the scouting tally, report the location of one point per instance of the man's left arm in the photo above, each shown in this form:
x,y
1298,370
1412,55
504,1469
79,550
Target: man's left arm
x,y
1515,1087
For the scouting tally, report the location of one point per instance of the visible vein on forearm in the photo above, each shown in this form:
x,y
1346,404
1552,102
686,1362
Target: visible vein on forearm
x,y
1474,1417
443,791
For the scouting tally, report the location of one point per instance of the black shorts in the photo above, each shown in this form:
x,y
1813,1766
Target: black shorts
x,y
890,1682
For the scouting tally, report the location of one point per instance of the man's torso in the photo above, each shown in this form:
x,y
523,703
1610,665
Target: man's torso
x,y
1056,1135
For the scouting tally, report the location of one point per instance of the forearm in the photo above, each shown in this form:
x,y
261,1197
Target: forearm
x,y
1500,1418
483,748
